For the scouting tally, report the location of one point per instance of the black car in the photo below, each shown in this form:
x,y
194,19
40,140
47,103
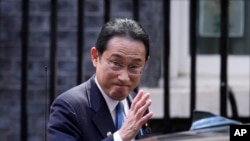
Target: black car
x,y
205,127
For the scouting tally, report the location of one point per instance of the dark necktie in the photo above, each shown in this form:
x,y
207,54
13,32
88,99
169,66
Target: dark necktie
x,y
119,115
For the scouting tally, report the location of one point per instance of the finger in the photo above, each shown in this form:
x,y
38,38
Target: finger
x,y
136,99
141,102
141,111
145,118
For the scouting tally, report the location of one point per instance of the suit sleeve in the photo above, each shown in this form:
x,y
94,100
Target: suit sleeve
x,y
62,124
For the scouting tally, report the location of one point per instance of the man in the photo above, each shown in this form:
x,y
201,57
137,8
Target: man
x,y
88,112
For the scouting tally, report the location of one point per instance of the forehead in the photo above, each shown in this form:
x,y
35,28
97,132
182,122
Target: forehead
x,y
126,47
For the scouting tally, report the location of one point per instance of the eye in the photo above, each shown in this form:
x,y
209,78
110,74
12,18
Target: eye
x,y
133,67
116,64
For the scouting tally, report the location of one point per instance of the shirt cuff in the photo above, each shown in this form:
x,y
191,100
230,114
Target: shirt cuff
x,y
117,136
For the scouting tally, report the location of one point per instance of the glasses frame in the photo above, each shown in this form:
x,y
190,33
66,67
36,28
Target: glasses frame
x,y
117,67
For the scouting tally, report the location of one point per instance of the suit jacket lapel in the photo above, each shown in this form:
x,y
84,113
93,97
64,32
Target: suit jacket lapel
x,y
102,118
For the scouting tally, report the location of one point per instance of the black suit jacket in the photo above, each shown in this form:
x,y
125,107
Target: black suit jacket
x,y
81,114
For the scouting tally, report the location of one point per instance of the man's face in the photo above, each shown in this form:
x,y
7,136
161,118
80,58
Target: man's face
x,y
119,68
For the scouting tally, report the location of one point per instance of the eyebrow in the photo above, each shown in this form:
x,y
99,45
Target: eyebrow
x,y
121,57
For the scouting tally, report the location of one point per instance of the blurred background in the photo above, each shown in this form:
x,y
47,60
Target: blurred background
x,y
200,58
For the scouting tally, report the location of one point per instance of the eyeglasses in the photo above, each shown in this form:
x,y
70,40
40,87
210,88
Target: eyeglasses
x,y
116,66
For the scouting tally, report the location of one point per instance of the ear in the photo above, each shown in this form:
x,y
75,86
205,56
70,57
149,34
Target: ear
x,y
94,56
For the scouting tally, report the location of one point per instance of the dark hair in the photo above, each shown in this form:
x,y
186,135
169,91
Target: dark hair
x,y
123,28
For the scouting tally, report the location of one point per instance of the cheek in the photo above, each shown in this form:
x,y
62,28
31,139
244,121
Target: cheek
x,y
107,79
107,76
135,81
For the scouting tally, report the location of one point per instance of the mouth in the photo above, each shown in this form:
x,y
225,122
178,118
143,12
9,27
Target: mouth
x,y
118,85
121,86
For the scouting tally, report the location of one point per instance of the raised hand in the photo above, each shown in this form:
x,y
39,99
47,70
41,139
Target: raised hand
x,y
135,117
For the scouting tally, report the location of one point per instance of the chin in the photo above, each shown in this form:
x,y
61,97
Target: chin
x,y
119,95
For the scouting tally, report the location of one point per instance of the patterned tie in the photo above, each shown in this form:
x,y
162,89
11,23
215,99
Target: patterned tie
x,y
119,115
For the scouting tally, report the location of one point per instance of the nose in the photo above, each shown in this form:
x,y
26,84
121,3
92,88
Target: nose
x,y
123,76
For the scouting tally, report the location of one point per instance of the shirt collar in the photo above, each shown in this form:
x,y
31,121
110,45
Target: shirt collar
x,y
109,101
